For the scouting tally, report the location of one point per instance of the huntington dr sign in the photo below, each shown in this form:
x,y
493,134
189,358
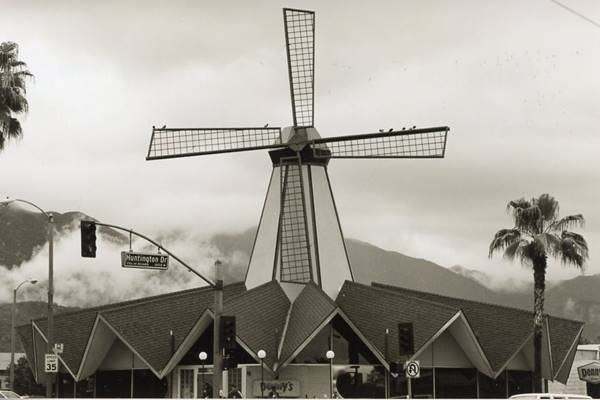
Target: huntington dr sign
x,y
130,259
590,372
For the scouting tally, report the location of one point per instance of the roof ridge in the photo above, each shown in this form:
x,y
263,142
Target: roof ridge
x,y
322,292
393,287
565,319
139,300
435,303
235,296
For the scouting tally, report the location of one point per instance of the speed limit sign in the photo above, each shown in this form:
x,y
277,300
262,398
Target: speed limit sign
x,y
50,363
413,369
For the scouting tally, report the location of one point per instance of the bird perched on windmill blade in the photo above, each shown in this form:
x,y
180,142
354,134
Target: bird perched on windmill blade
x,y
391,130
266,126
299,238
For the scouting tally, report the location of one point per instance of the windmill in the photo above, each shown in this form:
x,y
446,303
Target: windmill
x,y
299,238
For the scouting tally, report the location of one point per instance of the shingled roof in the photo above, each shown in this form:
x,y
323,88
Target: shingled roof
x,y
266,319
373,310
151,315
260,318
490,320
309,311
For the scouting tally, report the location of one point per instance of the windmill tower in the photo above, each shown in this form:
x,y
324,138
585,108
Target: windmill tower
x,y
299,238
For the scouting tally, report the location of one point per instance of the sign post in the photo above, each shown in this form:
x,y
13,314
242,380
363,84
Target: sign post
x,y
130,259
412,370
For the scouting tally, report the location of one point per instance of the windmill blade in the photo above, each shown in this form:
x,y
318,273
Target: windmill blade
x,y
300,45
414,143
181,142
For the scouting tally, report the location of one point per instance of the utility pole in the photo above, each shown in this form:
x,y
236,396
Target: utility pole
x,y
386,380
217,352
50,377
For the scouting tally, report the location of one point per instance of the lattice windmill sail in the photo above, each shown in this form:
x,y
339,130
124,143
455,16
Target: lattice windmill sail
x,y
299,238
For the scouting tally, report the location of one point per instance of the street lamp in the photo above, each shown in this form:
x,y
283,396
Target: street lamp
x,y
203,356
330,354
50,343
262,354
12,331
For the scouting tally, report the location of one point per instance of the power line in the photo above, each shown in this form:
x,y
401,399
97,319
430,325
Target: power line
x,y
591,21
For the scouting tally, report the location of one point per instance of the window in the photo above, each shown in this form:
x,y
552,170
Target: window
x,y
492,388
519,382
456,383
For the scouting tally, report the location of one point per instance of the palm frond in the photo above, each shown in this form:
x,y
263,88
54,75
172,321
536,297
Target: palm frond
x,y
568,222
548,206
514,205
502,239
529,219
574,249
551,243
515,249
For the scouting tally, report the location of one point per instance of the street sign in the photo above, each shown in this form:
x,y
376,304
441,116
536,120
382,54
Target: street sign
x,y
59,348
413,369
590,372
130,259
50,363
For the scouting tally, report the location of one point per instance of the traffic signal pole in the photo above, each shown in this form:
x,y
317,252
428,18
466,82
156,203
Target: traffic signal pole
x,y
217,351
218,304
50,377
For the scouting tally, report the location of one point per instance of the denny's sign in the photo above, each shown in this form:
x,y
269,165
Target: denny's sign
x,y
590,372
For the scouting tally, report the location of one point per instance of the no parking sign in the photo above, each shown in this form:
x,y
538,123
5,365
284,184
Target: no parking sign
x,y
412,369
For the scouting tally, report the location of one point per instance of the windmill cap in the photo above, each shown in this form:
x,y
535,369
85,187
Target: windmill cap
x,y
292,135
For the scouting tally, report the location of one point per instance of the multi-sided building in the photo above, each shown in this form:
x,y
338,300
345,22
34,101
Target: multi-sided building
x,y
149,347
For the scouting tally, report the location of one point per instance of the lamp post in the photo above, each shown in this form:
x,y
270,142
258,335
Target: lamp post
x,y
50,343
12,331
330,354
203,356
262,354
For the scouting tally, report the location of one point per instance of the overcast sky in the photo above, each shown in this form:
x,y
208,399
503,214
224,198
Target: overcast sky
x,y
517,82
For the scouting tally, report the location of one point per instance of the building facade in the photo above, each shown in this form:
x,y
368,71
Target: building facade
x,y
586,354
149,347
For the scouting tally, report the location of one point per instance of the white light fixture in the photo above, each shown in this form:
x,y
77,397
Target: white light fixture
x,y
330,354
203,356
261,354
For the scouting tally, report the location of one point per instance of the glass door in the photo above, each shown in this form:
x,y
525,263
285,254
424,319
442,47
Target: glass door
x,y
186,383
204,378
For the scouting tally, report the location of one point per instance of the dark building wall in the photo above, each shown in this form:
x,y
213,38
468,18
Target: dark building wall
x,y
450,383
117,384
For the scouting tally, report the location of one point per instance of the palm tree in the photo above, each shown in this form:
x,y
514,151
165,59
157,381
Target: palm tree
x,y
538,233
13,74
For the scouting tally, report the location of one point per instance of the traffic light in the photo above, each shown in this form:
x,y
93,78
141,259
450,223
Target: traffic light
x,y
230,360
88,239
406,339
227,332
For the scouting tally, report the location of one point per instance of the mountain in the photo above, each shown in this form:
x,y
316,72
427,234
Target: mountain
x,y
575,298
23,233
26,311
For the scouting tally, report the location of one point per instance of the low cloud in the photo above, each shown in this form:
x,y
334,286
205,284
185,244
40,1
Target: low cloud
x,y
84,282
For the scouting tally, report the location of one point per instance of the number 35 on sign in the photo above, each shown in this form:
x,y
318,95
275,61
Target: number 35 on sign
x,y
50,363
